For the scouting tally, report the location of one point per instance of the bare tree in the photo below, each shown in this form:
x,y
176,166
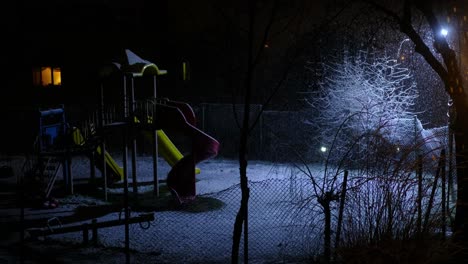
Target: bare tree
x,y
375,95
443,59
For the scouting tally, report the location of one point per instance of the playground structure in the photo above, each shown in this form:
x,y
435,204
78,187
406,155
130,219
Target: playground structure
x,y
57,142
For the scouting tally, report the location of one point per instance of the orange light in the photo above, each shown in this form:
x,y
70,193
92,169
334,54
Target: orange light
x,y
57,76
46,76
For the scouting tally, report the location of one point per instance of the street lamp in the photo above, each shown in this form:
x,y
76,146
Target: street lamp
x,y
444,32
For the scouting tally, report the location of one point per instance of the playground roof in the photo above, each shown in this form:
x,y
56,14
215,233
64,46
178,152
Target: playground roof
x,y
135,66
139,67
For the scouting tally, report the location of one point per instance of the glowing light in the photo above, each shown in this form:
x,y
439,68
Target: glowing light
x,y
46,76
444,32
323,149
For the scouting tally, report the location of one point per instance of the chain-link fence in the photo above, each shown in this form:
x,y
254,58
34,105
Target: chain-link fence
x,y
286,222
276,135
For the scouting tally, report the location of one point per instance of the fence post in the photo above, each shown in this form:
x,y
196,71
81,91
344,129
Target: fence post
x,y
85,234
442,168
94,231
340,213
419,202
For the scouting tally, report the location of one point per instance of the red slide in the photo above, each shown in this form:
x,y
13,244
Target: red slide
x,y
181,178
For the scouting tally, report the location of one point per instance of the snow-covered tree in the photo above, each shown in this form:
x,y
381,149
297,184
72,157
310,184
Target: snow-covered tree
x,y
362,96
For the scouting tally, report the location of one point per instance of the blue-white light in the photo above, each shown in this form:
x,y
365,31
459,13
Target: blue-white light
x,y
323,149
444,32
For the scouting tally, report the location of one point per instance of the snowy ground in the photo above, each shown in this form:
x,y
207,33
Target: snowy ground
x,y
184,237
281,229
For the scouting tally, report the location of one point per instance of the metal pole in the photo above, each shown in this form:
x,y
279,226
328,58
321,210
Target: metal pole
x,y
419,203
450,192
125,110
103,145
134,143
125,169
104,166
443,178
92,166
101,108
22,219
155,145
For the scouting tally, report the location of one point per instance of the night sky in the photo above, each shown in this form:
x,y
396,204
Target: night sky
x,y
81,36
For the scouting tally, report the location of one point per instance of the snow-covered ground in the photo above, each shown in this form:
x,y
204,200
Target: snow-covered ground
x,y
281,226
191,237
187,237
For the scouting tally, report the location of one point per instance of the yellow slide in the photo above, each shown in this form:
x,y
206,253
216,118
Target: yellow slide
x,y
167,149
112,164
79,140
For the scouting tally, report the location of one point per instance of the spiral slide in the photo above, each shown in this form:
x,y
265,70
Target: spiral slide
x,y
180,116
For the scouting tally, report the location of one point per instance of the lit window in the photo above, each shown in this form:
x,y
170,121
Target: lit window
x,y
57,77
47,76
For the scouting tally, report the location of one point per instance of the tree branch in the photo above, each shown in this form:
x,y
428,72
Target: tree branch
x,y
407,28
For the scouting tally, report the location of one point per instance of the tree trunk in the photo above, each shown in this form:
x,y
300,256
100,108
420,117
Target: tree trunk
x,y
450,74
461,219
242,215
340,213
327,231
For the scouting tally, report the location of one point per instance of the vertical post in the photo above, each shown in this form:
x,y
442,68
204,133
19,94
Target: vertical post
x,y
450,168
92,166
125,109
67,173
155,145
125,172
22,219
104,166
134,145
85,234
155,164
203,116
325,201
101,106
340,213
94,231
443,178
103,144
416,147
419,202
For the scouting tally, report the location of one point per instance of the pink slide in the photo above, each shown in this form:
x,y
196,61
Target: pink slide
x,y
181,178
